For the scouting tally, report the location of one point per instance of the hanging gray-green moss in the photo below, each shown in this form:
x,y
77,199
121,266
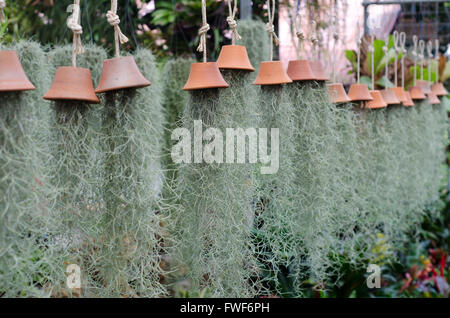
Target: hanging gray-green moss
x,y
275,226
256,39
176,72
23,206
76,175
129,257
215,221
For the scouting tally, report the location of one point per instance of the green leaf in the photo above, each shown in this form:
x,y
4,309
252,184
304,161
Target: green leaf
x,y
384,82
366,80
351,57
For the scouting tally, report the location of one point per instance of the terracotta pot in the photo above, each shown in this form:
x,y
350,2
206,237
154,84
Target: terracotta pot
x,y
318,71
359,92
300,70
271,73
416,93
337,93
12,75
399,93
424,85
377,102
438,89
72,83
205,75
389,97
119,73
234,57
409,101
433,99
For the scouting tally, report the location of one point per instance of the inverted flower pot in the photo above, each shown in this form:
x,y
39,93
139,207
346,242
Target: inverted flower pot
x,y
119,73
424,85
72,83
416,93
409,101
271,73
337,93
300,70
377,102
438,89
234,57
389,96
399,93
433,99
359,93
205,75
12,75
318,71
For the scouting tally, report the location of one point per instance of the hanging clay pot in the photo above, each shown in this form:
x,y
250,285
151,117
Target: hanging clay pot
x,y
377,102
12,75
72,83
424,85
204,75
234,57
409,101
389,97
433,99
271,73
416,93
399,93
119,73
359,92
337,93
318,71
438,89
300,70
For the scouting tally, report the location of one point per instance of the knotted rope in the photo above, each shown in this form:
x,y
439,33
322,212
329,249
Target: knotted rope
x,y
414,53
114,21
299,33
270,27
77,30
436,57
403,50
396,50
314,39
202,32
2,14
430,56
232,22
422,56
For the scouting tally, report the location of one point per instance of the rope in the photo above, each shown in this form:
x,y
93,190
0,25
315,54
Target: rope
x,y
202,32
314,39
77,30
372,50
386,65
270,27
414,53
422,56
359,49
232,22
2,14
335,36
403,50
436,43
114,21
396,49
430,56
298,32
